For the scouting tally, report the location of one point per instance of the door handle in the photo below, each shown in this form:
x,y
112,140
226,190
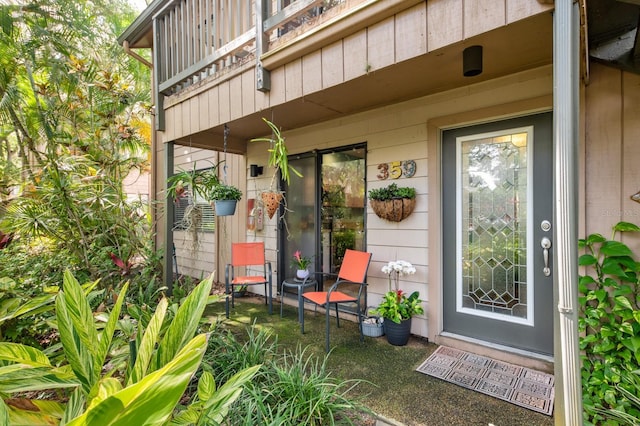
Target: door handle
x,y
546,245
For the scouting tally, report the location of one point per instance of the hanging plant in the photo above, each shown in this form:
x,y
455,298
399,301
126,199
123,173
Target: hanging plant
x,y
393,203
279,160
197,183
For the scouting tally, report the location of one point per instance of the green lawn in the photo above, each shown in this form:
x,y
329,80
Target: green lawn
x,y
392,387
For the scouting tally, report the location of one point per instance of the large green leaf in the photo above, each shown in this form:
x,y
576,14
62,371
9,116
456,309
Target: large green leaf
x,y
4,413
21,378
206,386
217,407
148,342
107,333
26,307
23,354
587,259
595,238
615,248
80,312
185,323
626,227
79,359
106,387
75,406
152,400
23,412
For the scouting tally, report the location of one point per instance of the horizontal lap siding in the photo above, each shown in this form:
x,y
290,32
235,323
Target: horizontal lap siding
x,y
397,133
394,133
418,30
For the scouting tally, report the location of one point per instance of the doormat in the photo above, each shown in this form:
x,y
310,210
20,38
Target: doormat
x,y
518,385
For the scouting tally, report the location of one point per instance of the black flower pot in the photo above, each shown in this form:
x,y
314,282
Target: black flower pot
x,y
397,334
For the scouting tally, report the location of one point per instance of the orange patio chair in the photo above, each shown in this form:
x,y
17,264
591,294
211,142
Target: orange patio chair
x,y
352,271
247,255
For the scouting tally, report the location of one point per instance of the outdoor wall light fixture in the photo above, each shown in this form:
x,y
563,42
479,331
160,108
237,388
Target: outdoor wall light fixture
x,y
255,170
472,61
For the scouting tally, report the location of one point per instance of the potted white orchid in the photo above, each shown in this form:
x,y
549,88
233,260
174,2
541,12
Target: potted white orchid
x,y
396,307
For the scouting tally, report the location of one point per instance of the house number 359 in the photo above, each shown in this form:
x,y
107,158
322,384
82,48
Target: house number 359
x,y
396,169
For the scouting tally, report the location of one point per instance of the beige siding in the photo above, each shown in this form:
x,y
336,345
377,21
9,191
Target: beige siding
x,y
380,44
200,258
312,73
482,15
410,33
248,95
293,76
612,135
214,105
332,65
355,48
397,133
520,9
444,23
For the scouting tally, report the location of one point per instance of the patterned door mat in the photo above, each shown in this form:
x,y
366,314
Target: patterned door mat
x,y
519,385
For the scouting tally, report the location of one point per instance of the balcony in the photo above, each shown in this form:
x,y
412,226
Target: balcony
x,y
201,38
309,61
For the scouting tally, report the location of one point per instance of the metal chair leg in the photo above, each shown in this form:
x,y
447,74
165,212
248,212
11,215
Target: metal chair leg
x,y
281,298
328,311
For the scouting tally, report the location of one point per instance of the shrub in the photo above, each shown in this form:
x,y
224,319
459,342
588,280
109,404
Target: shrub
x,y
609,323
290,388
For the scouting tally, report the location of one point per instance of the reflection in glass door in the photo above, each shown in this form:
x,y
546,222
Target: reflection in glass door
x,y
325,209
342,211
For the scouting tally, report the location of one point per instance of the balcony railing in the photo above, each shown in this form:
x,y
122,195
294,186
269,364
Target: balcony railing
x,y
195,39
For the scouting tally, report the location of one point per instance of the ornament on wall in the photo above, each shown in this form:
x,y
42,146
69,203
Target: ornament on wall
x,y
636,197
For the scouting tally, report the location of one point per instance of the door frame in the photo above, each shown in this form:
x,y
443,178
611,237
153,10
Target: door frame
x,y
283,259
435,127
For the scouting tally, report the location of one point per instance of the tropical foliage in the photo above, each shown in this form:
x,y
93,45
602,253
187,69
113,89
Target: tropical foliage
x,y
278,154
609,325
162,361
397,307
74,121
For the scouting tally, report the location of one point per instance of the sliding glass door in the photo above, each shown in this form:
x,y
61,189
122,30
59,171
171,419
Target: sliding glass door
x,y
325,209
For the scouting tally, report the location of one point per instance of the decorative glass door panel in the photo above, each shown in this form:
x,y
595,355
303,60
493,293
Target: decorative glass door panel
x,y
493,181
496,192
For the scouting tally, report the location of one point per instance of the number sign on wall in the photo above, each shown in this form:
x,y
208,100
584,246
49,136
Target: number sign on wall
x,y
397,169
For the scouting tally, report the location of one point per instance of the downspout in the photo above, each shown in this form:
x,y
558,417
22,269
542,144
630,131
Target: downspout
x,y
566,80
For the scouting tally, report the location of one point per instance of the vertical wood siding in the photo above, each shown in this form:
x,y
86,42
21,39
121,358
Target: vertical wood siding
x,y
611,169
213,250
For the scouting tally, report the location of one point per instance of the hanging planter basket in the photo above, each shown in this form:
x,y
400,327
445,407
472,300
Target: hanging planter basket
x,y
225,207
393,210
271,201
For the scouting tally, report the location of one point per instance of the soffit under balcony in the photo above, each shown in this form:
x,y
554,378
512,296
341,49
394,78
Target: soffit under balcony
x,y
517,47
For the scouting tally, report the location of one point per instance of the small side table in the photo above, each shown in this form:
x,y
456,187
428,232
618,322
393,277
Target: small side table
x,y
301,285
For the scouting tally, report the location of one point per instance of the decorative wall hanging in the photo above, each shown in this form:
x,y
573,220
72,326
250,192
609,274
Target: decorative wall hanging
x,y
393,203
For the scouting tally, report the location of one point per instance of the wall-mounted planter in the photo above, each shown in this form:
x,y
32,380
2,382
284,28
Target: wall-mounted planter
x,y
393,210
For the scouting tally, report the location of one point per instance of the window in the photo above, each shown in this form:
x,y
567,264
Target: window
x,y
200,214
